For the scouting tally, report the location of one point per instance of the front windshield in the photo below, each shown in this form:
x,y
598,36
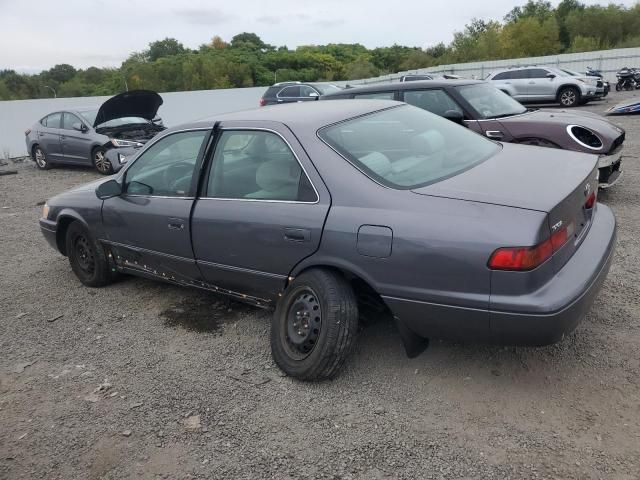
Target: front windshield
x,y
490,102
571,72
326,88
407,147
89,115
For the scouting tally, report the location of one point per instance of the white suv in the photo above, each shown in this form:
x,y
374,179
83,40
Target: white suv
x,y
545,84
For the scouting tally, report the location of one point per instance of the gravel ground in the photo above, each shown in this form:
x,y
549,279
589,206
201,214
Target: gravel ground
x,y
146,380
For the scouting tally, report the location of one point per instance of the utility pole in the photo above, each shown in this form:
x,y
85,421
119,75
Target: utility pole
x,y
51,88
126,86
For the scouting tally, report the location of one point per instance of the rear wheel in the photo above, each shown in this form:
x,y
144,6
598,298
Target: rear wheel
x,y
314,325
100,161
40,158
87,257
569,97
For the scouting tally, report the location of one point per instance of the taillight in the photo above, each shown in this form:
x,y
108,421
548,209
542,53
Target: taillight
x,y
27,132
528,258
591,201
263,102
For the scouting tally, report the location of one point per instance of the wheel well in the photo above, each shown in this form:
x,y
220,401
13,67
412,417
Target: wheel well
x,y
33,150
369,300
574,87
61,233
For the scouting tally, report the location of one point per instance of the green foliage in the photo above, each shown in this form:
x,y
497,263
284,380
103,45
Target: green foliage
x,y
533,29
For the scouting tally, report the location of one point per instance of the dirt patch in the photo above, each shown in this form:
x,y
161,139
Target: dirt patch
x,y
204,314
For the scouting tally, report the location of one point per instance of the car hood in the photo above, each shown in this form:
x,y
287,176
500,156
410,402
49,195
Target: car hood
x,y
136,103
562,118
533,178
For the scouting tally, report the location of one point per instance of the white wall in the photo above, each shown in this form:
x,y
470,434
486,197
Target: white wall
x,y
178,107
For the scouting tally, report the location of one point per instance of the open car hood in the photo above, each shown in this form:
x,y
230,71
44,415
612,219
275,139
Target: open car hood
x,y
136,103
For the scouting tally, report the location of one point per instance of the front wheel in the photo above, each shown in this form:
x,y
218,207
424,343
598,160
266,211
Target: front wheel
x,y
87,257
40,158
569,97
100,161
314,326
618,87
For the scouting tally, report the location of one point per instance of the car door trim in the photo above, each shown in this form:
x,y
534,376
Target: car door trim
x,y
232,268
145,250
262,129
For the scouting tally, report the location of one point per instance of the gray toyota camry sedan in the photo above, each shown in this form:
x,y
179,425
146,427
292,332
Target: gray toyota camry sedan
x,y
322,210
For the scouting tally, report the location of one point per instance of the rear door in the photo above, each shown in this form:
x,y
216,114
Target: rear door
x,y
49,136
76,145
262,211
147,226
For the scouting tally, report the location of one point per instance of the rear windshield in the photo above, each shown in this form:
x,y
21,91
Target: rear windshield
x,y
407,147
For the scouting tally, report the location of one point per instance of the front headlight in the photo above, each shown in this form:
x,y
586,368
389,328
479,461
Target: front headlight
x,y
117,142
45,211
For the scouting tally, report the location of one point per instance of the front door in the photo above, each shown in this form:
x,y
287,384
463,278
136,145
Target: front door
x,y
540,86
76,145
147,227
262,211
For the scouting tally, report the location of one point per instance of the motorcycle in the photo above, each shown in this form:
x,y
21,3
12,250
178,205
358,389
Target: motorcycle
x,y
628,79
592,72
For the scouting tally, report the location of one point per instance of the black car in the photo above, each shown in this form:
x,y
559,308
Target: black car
x,y
288,92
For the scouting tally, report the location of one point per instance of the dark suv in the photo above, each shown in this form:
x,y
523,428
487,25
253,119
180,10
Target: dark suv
x,y
288,92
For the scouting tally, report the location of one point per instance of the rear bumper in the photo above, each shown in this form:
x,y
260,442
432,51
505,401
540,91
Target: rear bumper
x,y
610,169
541,318
49,229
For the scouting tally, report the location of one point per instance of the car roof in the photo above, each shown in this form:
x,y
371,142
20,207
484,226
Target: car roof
x,y
300,115
384,87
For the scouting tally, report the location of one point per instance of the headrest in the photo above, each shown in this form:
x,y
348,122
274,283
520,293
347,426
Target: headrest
x,y
427,143
276,174
377,162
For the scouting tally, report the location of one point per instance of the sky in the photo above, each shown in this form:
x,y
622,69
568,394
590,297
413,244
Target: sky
x,y
38,34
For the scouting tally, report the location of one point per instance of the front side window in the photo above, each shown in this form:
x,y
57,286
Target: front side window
x,y
290,92
376,95
538,73
519,74
257,165
166,168
407,147
307,91
435,101
53,121
68,120
490,102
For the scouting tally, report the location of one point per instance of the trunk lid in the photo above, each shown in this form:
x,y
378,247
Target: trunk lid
x,y
136,103
553,181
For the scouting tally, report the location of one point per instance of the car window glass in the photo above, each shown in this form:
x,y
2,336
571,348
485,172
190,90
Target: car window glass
x,y
68,120
436,101
519,74
537,73
307,91
376,95
166,168
53,120
502,76
257,165
293,91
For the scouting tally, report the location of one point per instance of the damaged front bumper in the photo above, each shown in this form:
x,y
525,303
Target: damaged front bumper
x,y
610,168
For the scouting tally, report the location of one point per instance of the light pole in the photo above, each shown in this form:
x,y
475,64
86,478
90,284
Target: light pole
x,y
51,88
126,86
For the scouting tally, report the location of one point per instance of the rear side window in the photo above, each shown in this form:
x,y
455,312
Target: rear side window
x,y
290,92
502,76
257,165
407,147
52,121
376,95
436,101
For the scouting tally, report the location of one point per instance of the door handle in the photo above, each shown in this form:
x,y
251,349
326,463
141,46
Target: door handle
x,y
494,134
176,224
297,234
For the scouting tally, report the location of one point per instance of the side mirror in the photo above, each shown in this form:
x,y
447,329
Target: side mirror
x,y
454,115
108,189
81,127
313,94
550,75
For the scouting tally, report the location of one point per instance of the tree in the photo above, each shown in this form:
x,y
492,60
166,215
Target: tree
x,y
249,41
361,68
217,43
529,38
540,9
61,73
164,48
564,8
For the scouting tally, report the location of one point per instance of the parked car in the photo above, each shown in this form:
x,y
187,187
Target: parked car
x,y
288,92
84,136
544,84
308,209
602,87
485,109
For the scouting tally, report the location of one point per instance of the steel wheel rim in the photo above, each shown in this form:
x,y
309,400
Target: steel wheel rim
x,y
84,254
101,162
40,158
302,324
568,97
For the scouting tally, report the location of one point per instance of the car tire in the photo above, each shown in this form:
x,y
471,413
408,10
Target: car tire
x,y
100,162
569,97
87,258
40,157
314,326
